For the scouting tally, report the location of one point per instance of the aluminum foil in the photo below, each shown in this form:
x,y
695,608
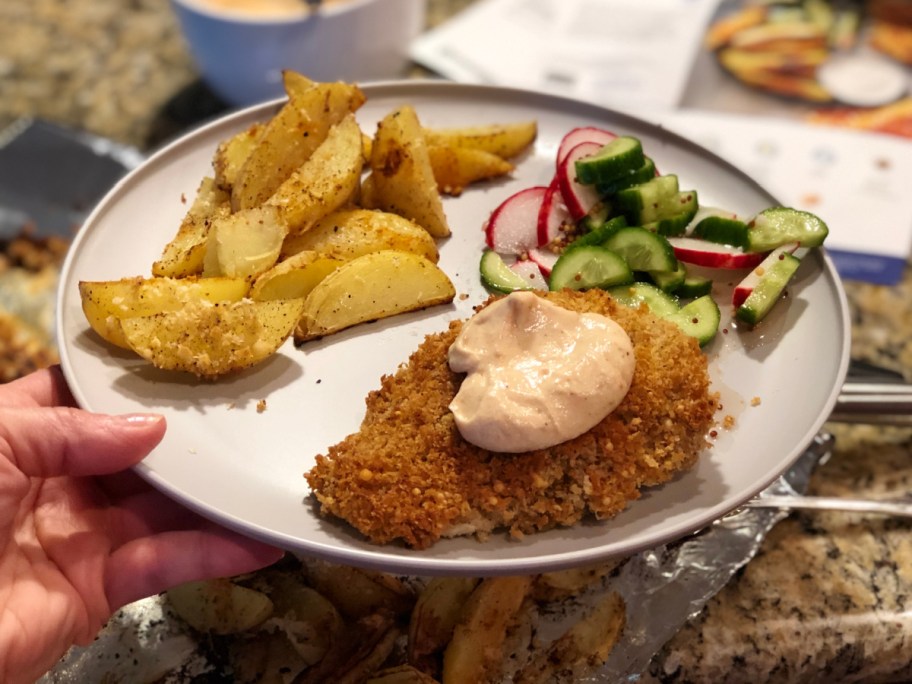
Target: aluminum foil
x,y
663,588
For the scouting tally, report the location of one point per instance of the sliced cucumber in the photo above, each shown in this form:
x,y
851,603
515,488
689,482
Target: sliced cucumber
x,y
589,266
660,303
722,230
496,275
777,270
694,286
629,179
642,249
779,226
700,318
598,234
619,157
676,216
647,202
669,281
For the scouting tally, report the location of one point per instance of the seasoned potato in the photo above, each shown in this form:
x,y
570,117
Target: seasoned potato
x,y
295,277
371,287
357,592
435,615
325,182
402,674
232,153
219,606
457,167
402,179
476,650
292,135
350,233
309,621
106,302
504,140
209,339
245,244
184,255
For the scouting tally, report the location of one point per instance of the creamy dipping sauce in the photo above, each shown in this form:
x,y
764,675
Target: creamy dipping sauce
x,y
537,374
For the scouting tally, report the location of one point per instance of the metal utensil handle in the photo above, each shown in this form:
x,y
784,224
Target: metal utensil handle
x,y
831,503
883,403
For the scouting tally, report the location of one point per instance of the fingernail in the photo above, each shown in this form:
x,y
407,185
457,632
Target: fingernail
x,y
141,420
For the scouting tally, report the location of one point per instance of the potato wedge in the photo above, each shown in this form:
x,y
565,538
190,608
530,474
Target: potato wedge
x,y
357,592
210,340
373,286
231,155
401,674
307,618
402,179
585,646
457,167
295,277
219,606
476,650
435,615
506,140
184,255
292,135
325,182
350,233
562,584
245,244
104,303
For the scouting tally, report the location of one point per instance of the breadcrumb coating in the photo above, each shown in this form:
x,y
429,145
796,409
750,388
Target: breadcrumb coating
x,y
408,475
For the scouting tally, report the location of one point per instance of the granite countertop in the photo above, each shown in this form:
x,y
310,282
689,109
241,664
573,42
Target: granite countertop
x,y
829,596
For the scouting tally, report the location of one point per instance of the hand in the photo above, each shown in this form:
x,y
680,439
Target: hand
x,y
80,534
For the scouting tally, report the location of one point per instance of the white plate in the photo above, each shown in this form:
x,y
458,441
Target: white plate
x,y
244,468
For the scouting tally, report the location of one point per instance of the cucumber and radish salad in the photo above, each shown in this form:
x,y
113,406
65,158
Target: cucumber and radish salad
x,y
609,219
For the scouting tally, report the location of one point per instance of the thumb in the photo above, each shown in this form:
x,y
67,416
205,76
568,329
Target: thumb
x,y
47,442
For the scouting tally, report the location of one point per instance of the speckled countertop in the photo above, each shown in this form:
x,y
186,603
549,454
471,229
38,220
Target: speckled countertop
x,y
829,597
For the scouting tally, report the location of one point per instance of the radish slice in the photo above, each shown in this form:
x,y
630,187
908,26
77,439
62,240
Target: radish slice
x,y
703,253
552,215
545,259
580,135
530,272
579,197
744,289
512,227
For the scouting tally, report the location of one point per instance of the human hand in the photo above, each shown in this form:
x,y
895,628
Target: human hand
x,y
80,534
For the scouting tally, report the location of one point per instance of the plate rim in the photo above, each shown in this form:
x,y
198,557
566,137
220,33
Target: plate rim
x,y
415,563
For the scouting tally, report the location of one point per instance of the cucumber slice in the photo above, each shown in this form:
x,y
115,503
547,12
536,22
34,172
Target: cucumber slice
x,y
700,318
670,281
779,226
647,202
660,303
694,286
777,270
599,234
587,267
620,156
642,249
722,230
629,179
676,215
496,275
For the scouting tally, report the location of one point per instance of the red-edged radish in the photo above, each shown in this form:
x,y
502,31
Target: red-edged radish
x,y
552,215
702,253
581,135
513,226
531,273
744,289
579,198
544,258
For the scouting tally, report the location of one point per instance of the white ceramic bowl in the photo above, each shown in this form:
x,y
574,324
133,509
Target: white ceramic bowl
x,y
241,55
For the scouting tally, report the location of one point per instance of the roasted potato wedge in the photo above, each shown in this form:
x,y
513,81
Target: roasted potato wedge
x,y
219,606
245,244
292,136
504,140
295,277
456,167
350,233
231,155
476,650
325,182
560,584
435,615
373,286
184,255
585,646
402,179
210,340
402,674
307,618
358,593
105,303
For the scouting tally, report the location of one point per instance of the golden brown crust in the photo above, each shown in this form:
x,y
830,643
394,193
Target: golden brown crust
x,y
409,475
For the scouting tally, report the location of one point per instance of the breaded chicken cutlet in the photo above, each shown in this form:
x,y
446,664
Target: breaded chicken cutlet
x,y
408,474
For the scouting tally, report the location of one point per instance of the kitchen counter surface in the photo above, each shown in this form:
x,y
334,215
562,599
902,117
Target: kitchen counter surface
x,y
829,596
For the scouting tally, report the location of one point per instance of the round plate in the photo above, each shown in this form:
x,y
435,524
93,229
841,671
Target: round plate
x,y
244,467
